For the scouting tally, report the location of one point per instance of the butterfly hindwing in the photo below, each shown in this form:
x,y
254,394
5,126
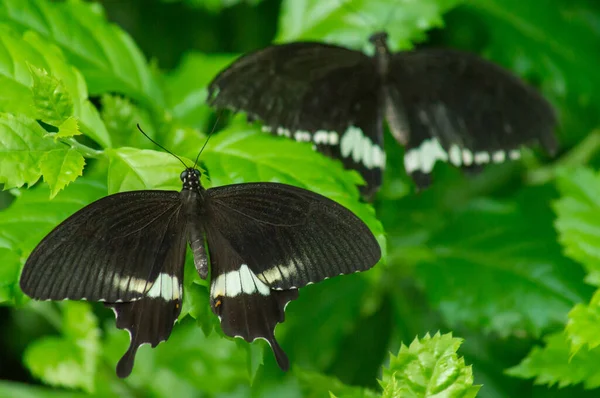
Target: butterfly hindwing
x,y
290,237
245,305
465,110
111,250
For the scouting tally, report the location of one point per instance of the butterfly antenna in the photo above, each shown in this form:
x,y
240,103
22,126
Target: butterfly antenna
x,y
160,146
390,17
208,138
366,21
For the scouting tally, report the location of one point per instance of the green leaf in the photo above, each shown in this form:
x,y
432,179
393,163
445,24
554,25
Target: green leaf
x,y
70,360
316,325
554,364
392,389
121,116
430,367
313,384
108,58
188,361
60,167
185,87
9,275
52,101
578,218
20,56
134,169
490,264
68,128
351,23
214,5
22,146
583,327
23,390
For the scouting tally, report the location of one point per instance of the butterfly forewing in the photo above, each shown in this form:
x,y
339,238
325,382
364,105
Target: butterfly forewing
x,y
111,250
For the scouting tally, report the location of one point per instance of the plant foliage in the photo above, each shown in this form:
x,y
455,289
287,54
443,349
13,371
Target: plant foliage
x,y
507,260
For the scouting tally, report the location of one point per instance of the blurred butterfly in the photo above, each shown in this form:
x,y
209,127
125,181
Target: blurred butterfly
x,y
440,104
264,241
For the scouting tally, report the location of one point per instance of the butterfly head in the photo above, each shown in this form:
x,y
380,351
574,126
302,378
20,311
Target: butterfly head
x,y
379,40
190,178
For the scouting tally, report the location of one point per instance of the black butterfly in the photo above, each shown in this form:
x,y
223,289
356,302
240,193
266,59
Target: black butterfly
x,y
441,104
265,240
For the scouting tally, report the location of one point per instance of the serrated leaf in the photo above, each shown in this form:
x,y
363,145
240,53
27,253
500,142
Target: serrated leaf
x,y
554,364
70,360
18,54
22,145
103,52
578,218
431,367
351,23
490,264
391,389
52,101
583,327
68,128
60,167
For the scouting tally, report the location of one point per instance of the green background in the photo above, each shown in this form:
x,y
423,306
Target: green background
x,y
486,280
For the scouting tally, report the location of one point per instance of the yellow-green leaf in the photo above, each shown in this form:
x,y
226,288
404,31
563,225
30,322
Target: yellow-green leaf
x,y
52,101
60,167
68,128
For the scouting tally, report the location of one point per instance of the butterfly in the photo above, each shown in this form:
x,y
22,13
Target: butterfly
x,y
440,104
264,241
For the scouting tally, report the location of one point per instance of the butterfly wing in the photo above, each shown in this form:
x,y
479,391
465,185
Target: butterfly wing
x,y
150,319
454,106
111,250
246,307
265,241
127,250
290,237
313,92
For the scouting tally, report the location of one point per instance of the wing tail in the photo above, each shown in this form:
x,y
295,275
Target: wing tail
x,y
255,316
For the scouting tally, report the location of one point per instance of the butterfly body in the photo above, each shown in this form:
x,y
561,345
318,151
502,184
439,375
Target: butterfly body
x,y
264,241
444,105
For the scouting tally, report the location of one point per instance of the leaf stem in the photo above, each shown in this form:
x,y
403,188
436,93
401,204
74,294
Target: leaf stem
x,y
85,150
